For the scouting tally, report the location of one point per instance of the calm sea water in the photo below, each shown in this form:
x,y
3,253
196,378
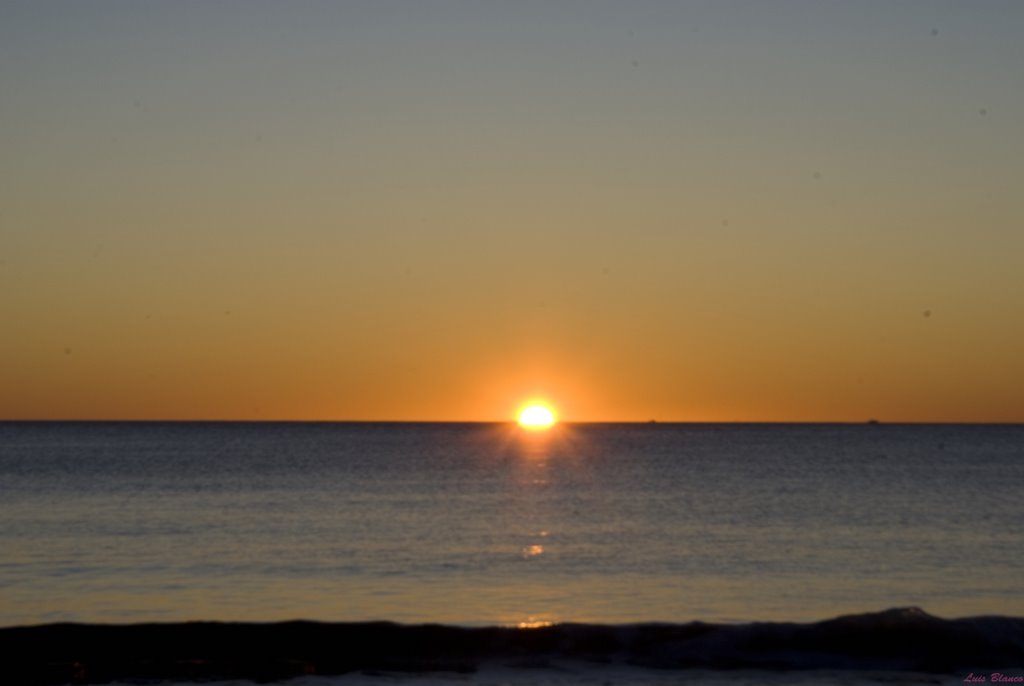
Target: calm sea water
x,y
487,524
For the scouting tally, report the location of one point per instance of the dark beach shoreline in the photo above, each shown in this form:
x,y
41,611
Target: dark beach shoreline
x,y
905,639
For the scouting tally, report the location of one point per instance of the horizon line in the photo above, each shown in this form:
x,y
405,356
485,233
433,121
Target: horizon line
x,y
640,422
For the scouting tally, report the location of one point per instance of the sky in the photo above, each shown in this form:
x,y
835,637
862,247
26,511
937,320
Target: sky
x,y
773,210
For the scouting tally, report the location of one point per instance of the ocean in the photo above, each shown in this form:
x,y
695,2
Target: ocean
x,y
488,525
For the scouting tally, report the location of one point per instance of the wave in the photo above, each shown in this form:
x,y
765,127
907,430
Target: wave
x,y
903,639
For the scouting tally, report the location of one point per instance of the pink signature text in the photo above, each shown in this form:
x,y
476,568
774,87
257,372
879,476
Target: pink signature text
x,y
994,678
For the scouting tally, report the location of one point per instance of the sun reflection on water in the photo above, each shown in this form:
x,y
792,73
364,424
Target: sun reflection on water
x,y
542,459
533,623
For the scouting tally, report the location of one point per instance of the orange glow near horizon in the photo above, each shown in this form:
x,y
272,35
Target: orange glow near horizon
x,y
444,236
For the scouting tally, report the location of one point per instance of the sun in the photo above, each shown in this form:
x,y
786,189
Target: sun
x,y
536,417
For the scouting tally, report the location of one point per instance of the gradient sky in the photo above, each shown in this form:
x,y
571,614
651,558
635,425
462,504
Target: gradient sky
x,y
433,210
